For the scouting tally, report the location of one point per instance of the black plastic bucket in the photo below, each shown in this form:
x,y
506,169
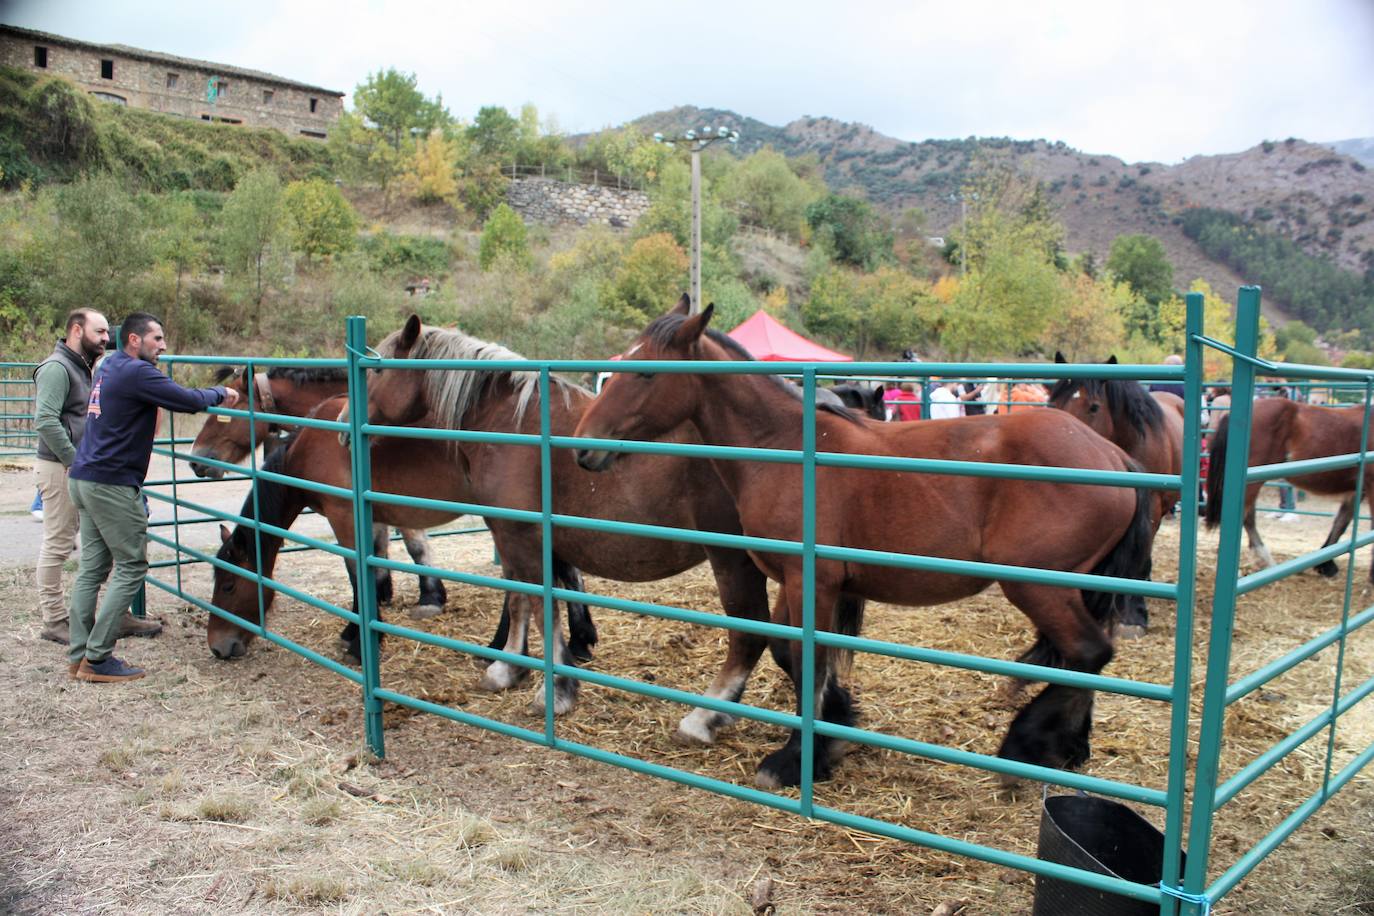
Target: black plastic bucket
x,y
1098,835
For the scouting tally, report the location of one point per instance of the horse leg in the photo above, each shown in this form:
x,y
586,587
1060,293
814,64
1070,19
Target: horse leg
x,y
1134,619
743,594
351,635
1338,525
432,592
564,688
581,628
1053,729
519,548
381,547
1252,529
831,701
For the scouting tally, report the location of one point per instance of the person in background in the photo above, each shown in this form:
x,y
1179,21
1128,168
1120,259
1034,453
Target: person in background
x,y
1173,359
944,402
36,507
906,404
106,483
971,394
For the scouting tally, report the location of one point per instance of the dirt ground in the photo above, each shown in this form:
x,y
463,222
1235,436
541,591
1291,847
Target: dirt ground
x,y
237,787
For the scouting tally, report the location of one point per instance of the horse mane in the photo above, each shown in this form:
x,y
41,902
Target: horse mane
x,y
452,393
296,376
1126,399
272,500
663,329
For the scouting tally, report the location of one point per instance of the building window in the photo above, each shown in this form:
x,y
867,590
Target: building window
x,y
172,80
314,103
221,89
107,69
111,98
267,96
317,134
40,57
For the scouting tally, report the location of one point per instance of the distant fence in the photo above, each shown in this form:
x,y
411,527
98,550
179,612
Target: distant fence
x,y
570,175
17,436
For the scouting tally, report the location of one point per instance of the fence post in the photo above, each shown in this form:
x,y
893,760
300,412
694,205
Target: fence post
x,y
925,398
551,632
1187,591
361,454
1224,599
808,672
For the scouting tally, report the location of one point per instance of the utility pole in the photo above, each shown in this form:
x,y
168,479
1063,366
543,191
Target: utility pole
x,y
698,143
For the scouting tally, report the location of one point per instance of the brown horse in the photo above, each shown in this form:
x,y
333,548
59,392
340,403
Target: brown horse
x,y
1283,430
1148,426
317,455
1076,528
643,488
294,393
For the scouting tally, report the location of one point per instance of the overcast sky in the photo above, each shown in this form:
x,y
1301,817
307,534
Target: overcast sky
x,y
1158,80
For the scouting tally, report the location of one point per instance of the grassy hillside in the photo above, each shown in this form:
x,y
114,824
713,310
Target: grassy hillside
x,y
52,131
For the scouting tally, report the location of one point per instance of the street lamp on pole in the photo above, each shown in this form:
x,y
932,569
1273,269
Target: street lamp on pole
x,y
698,142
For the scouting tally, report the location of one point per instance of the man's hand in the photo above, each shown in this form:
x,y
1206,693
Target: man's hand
x,y
231,398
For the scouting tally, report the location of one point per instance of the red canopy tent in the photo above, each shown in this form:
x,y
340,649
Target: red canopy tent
x,y
768,339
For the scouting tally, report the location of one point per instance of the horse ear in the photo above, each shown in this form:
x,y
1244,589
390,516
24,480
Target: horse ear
x,y
692,329
409,334
1111,360
683,307
1059,357
224,534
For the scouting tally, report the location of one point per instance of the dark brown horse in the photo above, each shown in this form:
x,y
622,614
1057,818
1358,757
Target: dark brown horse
x,y
1076,528
643,488
1283,430
317,455
294,393
1148,426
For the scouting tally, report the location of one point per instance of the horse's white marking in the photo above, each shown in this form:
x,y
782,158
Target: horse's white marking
x,y
500,676
633,350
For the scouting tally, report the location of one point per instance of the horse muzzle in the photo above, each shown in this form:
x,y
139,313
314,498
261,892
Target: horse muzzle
x,y
229,648
595,459
209,472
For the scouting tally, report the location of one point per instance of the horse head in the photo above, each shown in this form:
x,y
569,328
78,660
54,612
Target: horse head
x,y
397,397
647,405
227,439
235,594
1085,399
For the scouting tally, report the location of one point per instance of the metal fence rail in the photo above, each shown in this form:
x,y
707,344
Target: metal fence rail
x,y
1196,785
17,435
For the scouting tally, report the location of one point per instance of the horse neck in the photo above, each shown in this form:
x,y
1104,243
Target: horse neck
x,y
1124,432
747,410
284,505
495,409
295,399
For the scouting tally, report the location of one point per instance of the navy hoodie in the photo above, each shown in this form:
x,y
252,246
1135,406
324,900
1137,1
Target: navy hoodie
x,y
121,419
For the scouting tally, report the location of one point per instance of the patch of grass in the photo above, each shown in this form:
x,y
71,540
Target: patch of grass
x,y
231,809
473,831
173,782
318,812
118,758
512,857
306,890
1359,885
413,871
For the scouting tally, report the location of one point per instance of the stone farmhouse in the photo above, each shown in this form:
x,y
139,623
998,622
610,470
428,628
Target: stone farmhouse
x,y
174,85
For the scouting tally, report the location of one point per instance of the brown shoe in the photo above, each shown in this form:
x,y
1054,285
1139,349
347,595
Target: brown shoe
x,y
129,625
72,669
110,670
59,633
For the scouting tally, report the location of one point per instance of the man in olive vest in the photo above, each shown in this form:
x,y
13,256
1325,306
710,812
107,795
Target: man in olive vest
x,y
63,383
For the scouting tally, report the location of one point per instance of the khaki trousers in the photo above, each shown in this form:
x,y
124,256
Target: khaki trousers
x,y
60,526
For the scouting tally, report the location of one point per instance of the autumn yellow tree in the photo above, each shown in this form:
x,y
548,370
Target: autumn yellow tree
x,y
1089,325
429,175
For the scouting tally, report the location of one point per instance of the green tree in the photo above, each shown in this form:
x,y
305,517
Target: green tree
x,y
321,221
651,275
670,210
390,100
851,230
364,155
886,310
765,192
1091,324
180,243
254,239
1139,261
494,134
503,240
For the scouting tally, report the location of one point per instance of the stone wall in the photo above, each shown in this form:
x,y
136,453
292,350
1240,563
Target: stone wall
x,y
175,85
544,200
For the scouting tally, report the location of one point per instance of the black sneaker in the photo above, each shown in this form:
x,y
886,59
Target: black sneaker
x,y
109,670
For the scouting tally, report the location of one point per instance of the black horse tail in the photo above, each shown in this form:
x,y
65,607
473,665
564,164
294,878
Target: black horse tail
x,y
581,629
849,621
1216,473
1129,559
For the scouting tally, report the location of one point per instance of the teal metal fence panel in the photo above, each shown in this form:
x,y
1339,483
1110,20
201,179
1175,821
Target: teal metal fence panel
x,y
17,436
1195,786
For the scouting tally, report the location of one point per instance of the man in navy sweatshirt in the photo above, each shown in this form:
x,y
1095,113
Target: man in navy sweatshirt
x,y
106,481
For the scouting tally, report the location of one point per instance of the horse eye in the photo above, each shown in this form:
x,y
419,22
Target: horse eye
x,y
1094,408
646,375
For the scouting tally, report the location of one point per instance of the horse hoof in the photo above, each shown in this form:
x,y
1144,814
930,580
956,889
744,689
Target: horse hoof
x,y
425,611
1130,631
562,705
693,734
1328,569
766,779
